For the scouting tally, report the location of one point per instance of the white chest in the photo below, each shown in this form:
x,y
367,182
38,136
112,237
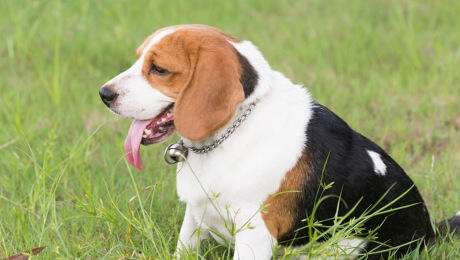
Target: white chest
x,y
229,184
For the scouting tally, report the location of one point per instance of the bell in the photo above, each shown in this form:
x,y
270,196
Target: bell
x,y
175,153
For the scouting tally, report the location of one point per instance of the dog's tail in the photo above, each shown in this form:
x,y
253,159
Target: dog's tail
x,y
450,225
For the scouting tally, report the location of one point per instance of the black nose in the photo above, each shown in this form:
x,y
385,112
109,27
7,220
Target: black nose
x,y
107,95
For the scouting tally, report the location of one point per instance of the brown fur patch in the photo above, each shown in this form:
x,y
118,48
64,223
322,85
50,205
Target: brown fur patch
x,y
179,53
281,209
141,48
204,77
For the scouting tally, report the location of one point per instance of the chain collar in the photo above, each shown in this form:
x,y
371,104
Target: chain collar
x,y
177,152
222,138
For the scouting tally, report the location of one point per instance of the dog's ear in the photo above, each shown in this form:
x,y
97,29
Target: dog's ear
x,y
212,95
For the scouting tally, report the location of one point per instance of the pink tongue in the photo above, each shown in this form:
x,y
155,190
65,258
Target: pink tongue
x,y
133,142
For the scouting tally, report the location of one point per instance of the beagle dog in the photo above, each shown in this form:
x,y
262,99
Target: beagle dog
x,y
261,151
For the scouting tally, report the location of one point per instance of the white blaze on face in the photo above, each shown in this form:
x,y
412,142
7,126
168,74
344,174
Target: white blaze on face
x,y
136,97
379,166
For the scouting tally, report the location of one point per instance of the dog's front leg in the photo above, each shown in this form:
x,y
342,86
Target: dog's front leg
x,y
190,235
254,243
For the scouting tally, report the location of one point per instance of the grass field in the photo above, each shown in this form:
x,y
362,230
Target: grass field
x,y
389,68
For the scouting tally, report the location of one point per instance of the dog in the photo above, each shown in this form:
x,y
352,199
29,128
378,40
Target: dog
x,y
258,149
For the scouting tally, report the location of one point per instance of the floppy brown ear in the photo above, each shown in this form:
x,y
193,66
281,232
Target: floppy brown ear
x,y
210,99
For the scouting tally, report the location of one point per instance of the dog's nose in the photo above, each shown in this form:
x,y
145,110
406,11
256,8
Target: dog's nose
x,y
107,95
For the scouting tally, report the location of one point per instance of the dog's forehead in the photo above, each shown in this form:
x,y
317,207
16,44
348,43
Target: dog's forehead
x,y
151,40
197,29
185,31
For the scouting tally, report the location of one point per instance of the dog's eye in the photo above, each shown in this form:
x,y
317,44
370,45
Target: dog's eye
x,y
157,70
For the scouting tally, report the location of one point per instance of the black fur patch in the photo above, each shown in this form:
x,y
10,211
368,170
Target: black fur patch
x,y
333,146
449,225
249,75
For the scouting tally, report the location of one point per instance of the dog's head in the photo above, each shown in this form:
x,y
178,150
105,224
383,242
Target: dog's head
x,y
189,77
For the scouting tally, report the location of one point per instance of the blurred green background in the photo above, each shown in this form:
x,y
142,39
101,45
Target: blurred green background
x,y
389,68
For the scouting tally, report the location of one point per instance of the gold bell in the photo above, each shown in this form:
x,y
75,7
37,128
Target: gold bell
x,y
175,153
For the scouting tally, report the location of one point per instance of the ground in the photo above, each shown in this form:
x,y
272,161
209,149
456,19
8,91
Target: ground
x,y
388,67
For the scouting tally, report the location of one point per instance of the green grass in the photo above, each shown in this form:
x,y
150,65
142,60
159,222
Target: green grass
x,y
390,68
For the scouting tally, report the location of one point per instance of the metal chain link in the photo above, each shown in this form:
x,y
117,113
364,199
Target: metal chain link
x,y
227,133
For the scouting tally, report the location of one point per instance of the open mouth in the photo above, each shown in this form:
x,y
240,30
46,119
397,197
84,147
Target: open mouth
x,y
159,128
148,132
